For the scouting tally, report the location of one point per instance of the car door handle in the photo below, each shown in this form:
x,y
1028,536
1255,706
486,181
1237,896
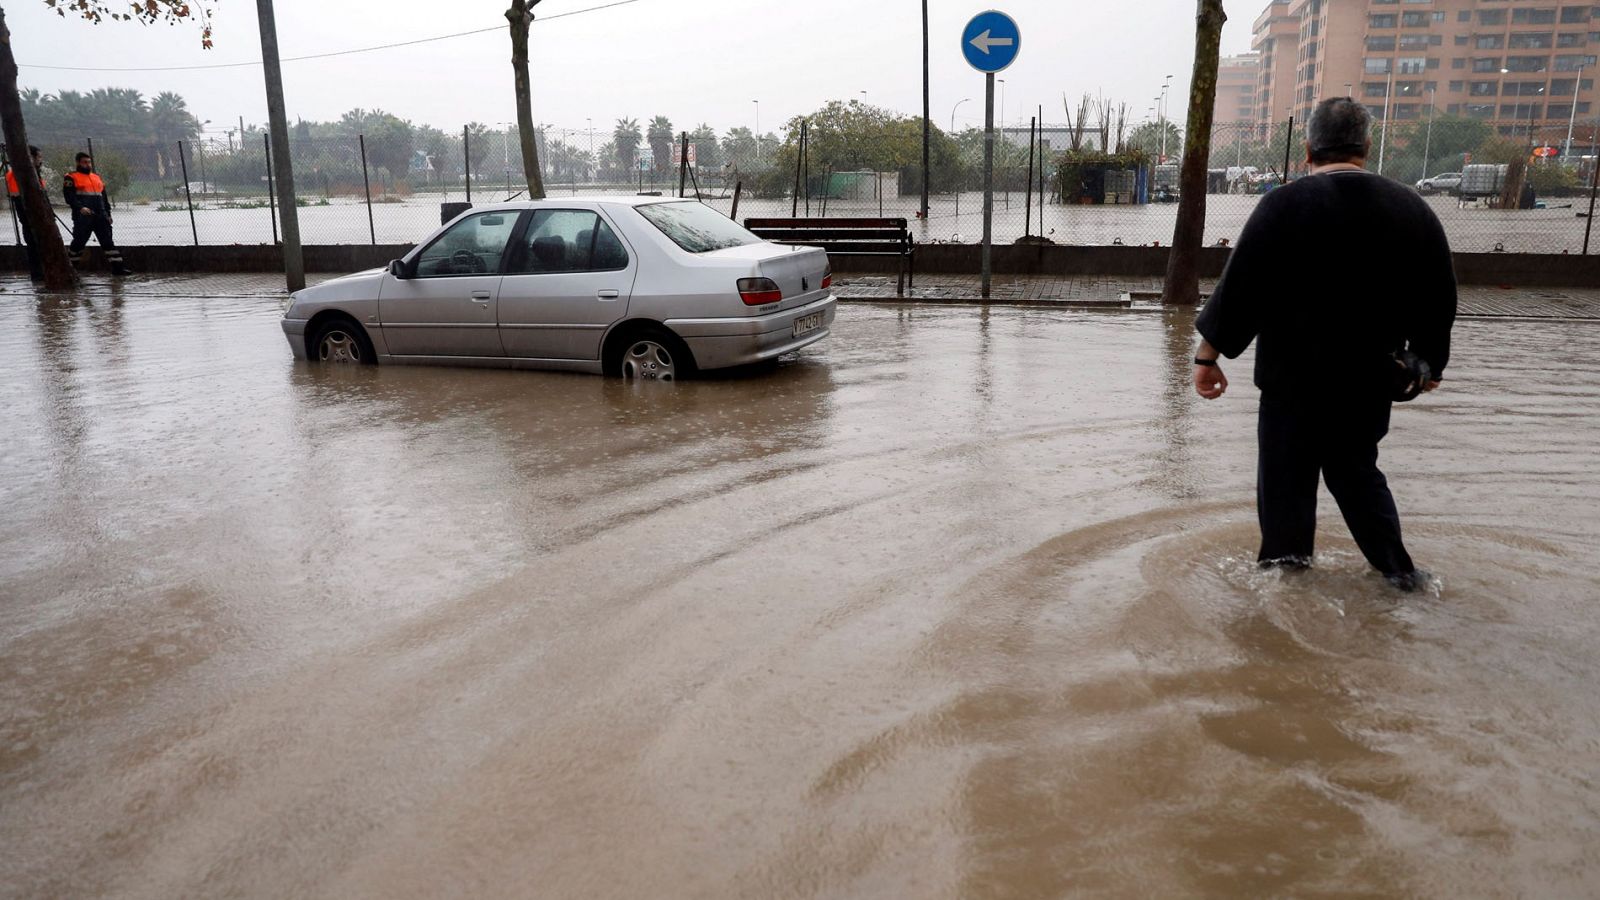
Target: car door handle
x,y
481,296
609,295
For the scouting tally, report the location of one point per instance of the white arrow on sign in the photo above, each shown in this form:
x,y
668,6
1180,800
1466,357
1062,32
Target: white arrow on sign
x,y
983,42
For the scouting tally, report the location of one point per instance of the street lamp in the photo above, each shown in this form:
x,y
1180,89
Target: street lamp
x,y
1572,117
1427,143
758,129
863,97
953,113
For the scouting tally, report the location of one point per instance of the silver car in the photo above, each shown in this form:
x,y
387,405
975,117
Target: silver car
x,y
638,287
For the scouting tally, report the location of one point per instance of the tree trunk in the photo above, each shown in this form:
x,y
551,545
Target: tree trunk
x,y
520,15
1183,263
35,205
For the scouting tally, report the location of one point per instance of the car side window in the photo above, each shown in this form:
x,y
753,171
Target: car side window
x,y
568,240
473,246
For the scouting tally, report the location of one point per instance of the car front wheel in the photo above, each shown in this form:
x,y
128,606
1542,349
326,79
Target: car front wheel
x,y
342,342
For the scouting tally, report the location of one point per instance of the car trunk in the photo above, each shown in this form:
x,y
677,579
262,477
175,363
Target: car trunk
x,y
798,271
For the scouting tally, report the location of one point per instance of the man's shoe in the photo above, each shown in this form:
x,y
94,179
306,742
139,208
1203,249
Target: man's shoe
x,y
1287,563
1413,581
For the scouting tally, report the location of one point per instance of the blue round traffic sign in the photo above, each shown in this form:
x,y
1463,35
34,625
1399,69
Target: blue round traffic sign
x,y
991,41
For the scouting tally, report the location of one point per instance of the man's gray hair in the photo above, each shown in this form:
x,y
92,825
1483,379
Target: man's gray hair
x,y
1340,131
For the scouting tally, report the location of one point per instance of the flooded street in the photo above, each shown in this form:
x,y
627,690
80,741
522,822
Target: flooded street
x,y
953,604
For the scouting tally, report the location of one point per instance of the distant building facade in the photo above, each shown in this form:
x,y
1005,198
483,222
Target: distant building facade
x,y
1527,67
1238,79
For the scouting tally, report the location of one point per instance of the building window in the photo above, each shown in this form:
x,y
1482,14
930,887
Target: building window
x,y
1383,44
1486,64
1385,20
1570,39
1526,16
1491,17
1480,110
1573,15
1484,88
1406,110
1531,63
1558,110
1453,109
1566,62
1457,86
1373,88
1490,41
1438,17
1415,20
1531,40
1377,66
1523,89
1520,110
1464,16
1414,41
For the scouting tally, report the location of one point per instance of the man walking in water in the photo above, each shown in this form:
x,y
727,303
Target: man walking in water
x,y
91,214
1333,275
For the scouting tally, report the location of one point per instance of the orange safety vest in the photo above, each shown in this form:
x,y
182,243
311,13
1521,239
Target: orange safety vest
x,y
89,184
11,183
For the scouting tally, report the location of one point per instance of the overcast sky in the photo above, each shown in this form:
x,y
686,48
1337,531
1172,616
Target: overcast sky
x,y
695,62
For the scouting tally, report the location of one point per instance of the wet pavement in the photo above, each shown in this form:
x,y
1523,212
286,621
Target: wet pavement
x,y
959,603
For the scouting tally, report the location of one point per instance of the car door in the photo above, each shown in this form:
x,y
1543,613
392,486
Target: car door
x,y
449,304
568,279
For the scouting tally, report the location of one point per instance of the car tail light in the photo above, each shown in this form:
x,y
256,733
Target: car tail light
x,y
827,280
759,291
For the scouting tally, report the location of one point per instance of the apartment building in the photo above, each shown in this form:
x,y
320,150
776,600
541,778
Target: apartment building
x,y
1525,66
1237,79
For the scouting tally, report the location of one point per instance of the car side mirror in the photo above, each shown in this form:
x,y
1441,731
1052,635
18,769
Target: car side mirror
x,y
397,268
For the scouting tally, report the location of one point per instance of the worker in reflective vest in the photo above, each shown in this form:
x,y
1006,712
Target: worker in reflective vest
x,y
35,269
91,214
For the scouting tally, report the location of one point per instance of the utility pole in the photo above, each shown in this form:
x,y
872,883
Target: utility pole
x,y
294,263
1427,143
1383,142
1577,89
927,169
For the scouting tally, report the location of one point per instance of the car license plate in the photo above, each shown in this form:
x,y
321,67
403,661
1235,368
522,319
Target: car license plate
x,y
807,324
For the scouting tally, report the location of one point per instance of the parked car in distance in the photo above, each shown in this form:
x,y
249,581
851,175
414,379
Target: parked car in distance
x,y
640,287
1443,183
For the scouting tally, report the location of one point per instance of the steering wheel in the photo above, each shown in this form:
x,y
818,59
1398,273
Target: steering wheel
x,y
466,259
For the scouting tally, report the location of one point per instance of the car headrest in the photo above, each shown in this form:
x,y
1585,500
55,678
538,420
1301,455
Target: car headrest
x,y
551,252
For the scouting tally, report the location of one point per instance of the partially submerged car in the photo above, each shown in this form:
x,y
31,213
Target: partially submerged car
x,y
638,287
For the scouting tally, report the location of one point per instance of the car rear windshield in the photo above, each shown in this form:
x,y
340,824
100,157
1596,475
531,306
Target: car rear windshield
x,y
696,227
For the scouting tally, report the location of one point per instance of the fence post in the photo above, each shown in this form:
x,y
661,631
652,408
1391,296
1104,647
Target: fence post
x,y
683,164
1288,144
738,188
466,159
366,186
183,165
1594,184
272,188
1027,202
799,161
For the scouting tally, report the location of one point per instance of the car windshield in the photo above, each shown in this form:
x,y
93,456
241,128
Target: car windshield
x,y
696,227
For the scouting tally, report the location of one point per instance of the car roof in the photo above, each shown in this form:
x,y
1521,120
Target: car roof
x,y
602,199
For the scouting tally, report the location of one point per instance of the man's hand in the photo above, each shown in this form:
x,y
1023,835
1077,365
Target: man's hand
x,y
1431,386
1209,382
86,211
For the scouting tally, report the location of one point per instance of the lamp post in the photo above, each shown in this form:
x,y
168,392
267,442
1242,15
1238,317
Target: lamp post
x,y
863,97
758,129
1427,142
1572,117
1165,85
953,112
1383,142
1002,82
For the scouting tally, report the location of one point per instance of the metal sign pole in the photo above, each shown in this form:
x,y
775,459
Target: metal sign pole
x,y
988,180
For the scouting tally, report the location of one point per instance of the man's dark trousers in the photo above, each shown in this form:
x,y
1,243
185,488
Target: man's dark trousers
x,y
99,226
35,267
1338,439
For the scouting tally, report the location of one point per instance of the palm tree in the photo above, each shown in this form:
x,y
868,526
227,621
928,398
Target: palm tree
x,y
660,137
626,137
170,122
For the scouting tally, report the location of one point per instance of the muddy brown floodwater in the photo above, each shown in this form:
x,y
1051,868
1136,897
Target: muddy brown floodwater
x,y
954,605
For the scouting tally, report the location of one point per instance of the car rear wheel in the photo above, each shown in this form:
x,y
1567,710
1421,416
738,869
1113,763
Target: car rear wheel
x,y
341,342
652,354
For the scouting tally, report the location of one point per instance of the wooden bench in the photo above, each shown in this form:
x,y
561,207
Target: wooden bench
x,y
847,237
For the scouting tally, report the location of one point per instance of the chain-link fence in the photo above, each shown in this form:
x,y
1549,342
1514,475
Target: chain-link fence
x,y
1494,187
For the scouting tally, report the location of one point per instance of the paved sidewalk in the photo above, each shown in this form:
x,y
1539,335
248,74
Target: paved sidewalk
x,y
1079,292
